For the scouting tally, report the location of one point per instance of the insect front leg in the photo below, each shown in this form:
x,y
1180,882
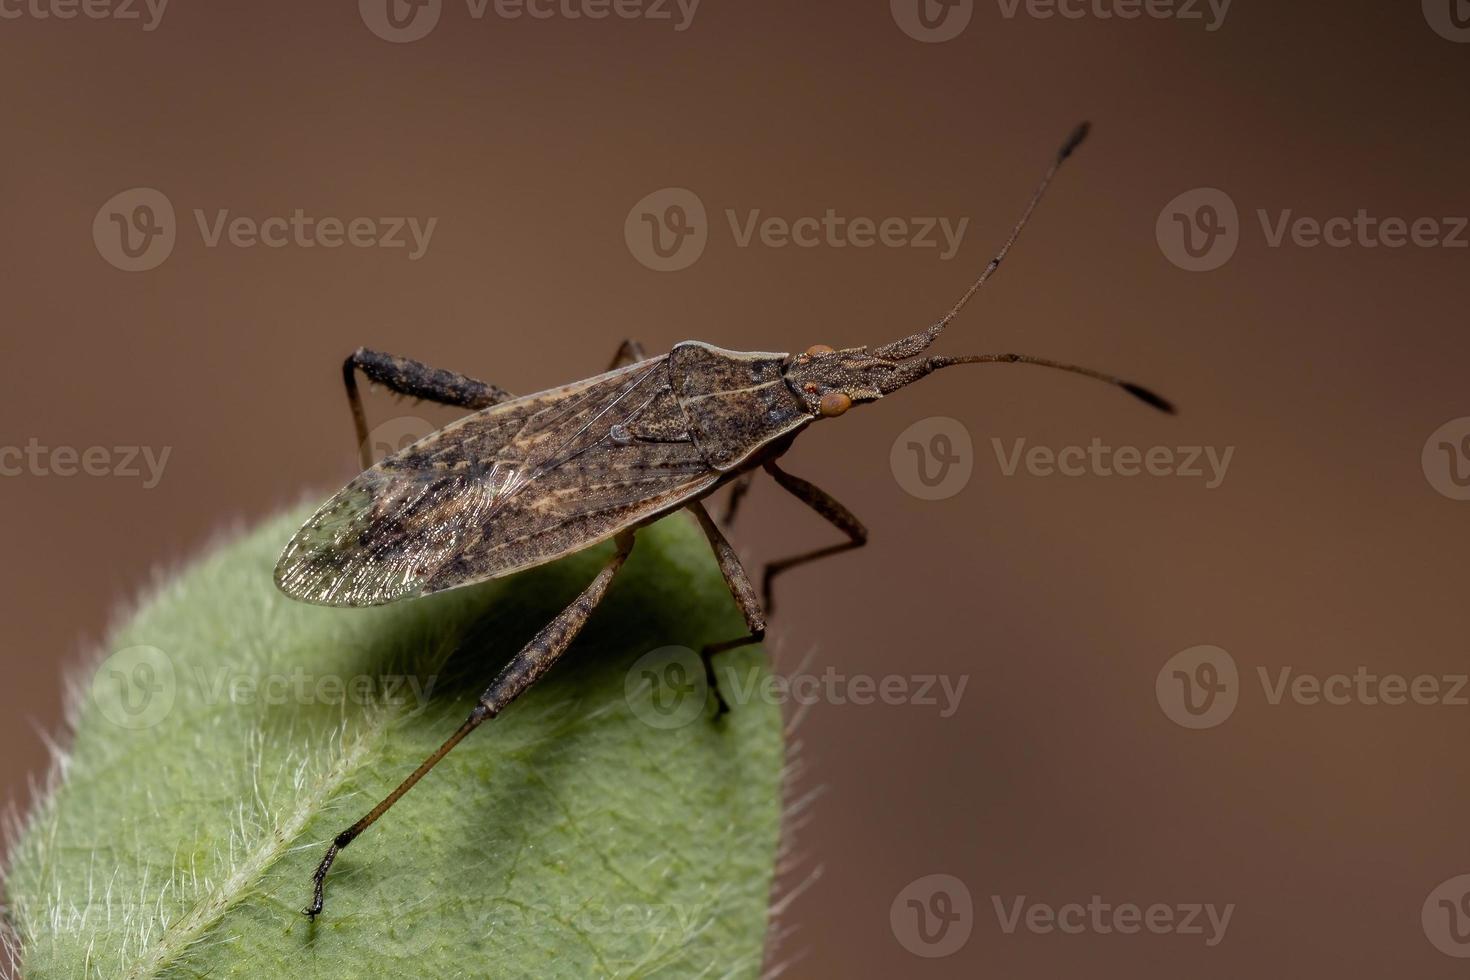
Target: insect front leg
x,y
415,379
528,666
823,503
629,352
744,595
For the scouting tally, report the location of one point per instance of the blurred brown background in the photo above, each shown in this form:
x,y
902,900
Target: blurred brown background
x,y
1325,548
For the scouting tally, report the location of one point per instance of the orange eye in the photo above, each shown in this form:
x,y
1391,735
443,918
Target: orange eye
x,y
816,349
833,404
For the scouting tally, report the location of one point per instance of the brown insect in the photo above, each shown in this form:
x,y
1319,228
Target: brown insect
x,y
524,481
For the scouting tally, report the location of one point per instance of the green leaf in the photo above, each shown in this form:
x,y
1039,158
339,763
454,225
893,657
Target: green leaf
x,y
591,830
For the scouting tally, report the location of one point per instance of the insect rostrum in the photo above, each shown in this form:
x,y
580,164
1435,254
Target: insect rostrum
x,y
523,481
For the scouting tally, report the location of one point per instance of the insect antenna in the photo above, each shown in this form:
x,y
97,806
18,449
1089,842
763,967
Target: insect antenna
x,y
917,343
1138,391
914,344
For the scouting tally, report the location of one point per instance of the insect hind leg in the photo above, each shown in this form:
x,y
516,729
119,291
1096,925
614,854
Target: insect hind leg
x,y
414,379
528,666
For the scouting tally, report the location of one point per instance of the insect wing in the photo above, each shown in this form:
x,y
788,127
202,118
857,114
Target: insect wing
x,y
515,485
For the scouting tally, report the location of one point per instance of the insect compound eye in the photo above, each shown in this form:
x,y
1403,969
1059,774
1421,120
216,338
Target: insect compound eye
x,y
816,349
833,404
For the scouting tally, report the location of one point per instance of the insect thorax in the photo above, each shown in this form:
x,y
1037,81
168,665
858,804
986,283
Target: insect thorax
x,y
736,401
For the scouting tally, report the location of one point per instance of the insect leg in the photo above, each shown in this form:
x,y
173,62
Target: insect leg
x,y
826,505
528,666
629,352
744,595
415,379
738,488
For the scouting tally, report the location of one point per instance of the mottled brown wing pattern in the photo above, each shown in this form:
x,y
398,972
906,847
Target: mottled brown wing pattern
x,y
515,485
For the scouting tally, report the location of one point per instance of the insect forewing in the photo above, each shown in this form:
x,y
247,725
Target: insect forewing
x,y
515,485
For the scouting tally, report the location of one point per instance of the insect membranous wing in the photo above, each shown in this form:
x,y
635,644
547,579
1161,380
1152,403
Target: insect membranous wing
x,y
735,401
515,485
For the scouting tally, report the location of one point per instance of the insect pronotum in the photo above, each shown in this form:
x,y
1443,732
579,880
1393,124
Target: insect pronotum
x,y
527,480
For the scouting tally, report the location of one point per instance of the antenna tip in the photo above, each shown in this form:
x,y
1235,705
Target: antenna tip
x,y
1149,398
1075,140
